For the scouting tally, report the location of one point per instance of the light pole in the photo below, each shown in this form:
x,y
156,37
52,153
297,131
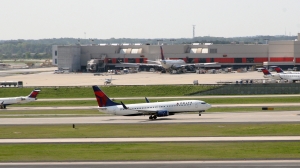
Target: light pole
x,y
266,40
158,41
172,40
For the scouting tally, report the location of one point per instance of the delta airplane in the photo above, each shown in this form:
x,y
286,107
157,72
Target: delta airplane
x,y
279,70
18,100
157,109
290,77
170,65
267,74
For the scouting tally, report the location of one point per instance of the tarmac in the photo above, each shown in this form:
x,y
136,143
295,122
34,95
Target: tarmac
x,y
46,77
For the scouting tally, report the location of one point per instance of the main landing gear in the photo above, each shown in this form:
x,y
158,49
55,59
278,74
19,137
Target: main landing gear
x,y
152,117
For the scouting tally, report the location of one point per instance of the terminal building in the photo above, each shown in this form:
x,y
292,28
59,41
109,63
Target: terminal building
x,y
102,57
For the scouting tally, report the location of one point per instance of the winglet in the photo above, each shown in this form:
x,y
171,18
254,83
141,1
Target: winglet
x,y
102,99
124,105
147,100
34,93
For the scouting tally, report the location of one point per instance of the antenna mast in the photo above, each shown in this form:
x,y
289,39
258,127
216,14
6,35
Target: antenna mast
x,y
194,31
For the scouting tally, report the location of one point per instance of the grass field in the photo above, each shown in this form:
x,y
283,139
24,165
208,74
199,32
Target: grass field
x,y
149,151
148,130
112,91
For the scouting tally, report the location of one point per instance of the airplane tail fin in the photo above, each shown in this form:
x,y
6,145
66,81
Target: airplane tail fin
x,y
102,99
34,93
266,72
162,53
278,70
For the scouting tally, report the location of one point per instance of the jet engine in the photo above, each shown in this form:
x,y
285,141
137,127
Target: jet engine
x,y
162,113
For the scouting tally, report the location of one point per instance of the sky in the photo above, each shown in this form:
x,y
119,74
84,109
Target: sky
x,y
104,19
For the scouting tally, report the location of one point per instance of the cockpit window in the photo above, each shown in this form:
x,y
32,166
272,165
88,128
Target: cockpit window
x,y
203,103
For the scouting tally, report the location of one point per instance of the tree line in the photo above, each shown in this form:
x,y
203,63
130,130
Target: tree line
x,y
42,48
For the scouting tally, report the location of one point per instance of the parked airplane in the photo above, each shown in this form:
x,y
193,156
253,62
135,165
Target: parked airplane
x,y
169,65
18,100
157,109
267,74
279,70
289,77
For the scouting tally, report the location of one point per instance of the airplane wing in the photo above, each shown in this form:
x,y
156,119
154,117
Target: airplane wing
x,y
139,64
157,62
201,64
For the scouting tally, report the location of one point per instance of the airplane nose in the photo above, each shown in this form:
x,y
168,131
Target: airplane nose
x,y
208,105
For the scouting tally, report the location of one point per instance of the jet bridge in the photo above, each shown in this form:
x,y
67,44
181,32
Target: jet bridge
x,y
96,64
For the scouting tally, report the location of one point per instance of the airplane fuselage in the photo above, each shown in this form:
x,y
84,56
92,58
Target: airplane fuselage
x,y
167,64
16,100
273,76
149,108
289,77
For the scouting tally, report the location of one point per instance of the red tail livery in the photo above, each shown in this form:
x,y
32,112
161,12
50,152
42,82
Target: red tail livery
x,y
102,99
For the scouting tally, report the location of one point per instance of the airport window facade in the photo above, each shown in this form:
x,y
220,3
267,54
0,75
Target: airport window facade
x,y
213,50
131,60
202,60
189,60
141,60
238,60
212,60
249,60
55,53
120,60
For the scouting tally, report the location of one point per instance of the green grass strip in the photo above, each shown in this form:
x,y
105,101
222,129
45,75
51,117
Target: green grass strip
x,y
149,151
112,91
148,130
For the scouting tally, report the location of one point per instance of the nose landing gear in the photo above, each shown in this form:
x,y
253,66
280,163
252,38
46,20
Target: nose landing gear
x,y
201,112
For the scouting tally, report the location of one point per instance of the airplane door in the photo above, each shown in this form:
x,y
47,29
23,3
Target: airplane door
x,y
196,105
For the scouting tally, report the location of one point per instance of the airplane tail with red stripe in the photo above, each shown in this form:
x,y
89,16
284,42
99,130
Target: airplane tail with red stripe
x,y
266,72
34,93
102,99
278,70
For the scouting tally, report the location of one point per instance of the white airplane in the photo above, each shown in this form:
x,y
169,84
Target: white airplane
x,y
279,70
170,65
289,77
18,100
157,109
267,74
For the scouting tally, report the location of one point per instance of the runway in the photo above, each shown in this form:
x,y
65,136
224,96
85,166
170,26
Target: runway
x,y
148,139
216,117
